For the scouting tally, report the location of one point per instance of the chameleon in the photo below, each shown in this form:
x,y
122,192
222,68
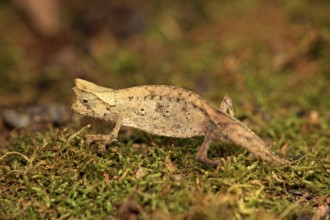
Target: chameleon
x,y
168,111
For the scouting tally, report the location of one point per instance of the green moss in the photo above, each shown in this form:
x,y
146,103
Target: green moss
x,y
54,174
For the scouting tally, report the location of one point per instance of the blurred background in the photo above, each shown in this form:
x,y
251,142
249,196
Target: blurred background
x,y
271,57
272,52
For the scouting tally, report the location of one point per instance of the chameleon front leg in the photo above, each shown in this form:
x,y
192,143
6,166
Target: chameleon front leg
x,y
202,152
106,138
226,106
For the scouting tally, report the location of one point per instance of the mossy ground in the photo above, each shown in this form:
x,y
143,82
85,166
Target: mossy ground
x,y
271,58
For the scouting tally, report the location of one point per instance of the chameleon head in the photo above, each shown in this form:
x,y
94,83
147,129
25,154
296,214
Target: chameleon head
x,y
92,100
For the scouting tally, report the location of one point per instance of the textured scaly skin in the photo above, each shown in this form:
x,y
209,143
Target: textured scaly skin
x,y
168,111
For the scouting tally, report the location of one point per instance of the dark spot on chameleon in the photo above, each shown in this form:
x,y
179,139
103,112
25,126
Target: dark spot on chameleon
x,y
223,125
130,98
145,97
85,101
248,139
108,108
225,137
160,97
152,97
142,109
178,100
105,114
177,126
159,107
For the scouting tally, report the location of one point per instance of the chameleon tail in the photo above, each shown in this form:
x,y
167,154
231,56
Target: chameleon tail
x,y
237,133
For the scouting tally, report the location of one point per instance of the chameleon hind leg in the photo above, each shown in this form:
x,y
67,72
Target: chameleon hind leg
x,y
226,106
106,138
201,155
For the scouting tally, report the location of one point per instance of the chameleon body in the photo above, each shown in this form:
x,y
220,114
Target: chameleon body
x,y
168,111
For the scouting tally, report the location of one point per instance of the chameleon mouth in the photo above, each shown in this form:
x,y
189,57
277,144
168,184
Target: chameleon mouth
x,y
79,107
76,105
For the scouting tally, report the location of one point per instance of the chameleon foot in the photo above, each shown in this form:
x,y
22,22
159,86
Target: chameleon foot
x,y
107,139
103,138
208,161
227,106
202,152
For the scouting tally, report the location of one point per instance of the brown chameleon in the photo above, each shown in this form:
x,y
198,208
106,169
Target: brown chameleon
x,y
168,111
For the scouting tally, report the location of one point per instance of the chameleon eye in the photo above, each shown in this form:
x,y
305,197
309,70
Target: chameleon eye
x,y
85,101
